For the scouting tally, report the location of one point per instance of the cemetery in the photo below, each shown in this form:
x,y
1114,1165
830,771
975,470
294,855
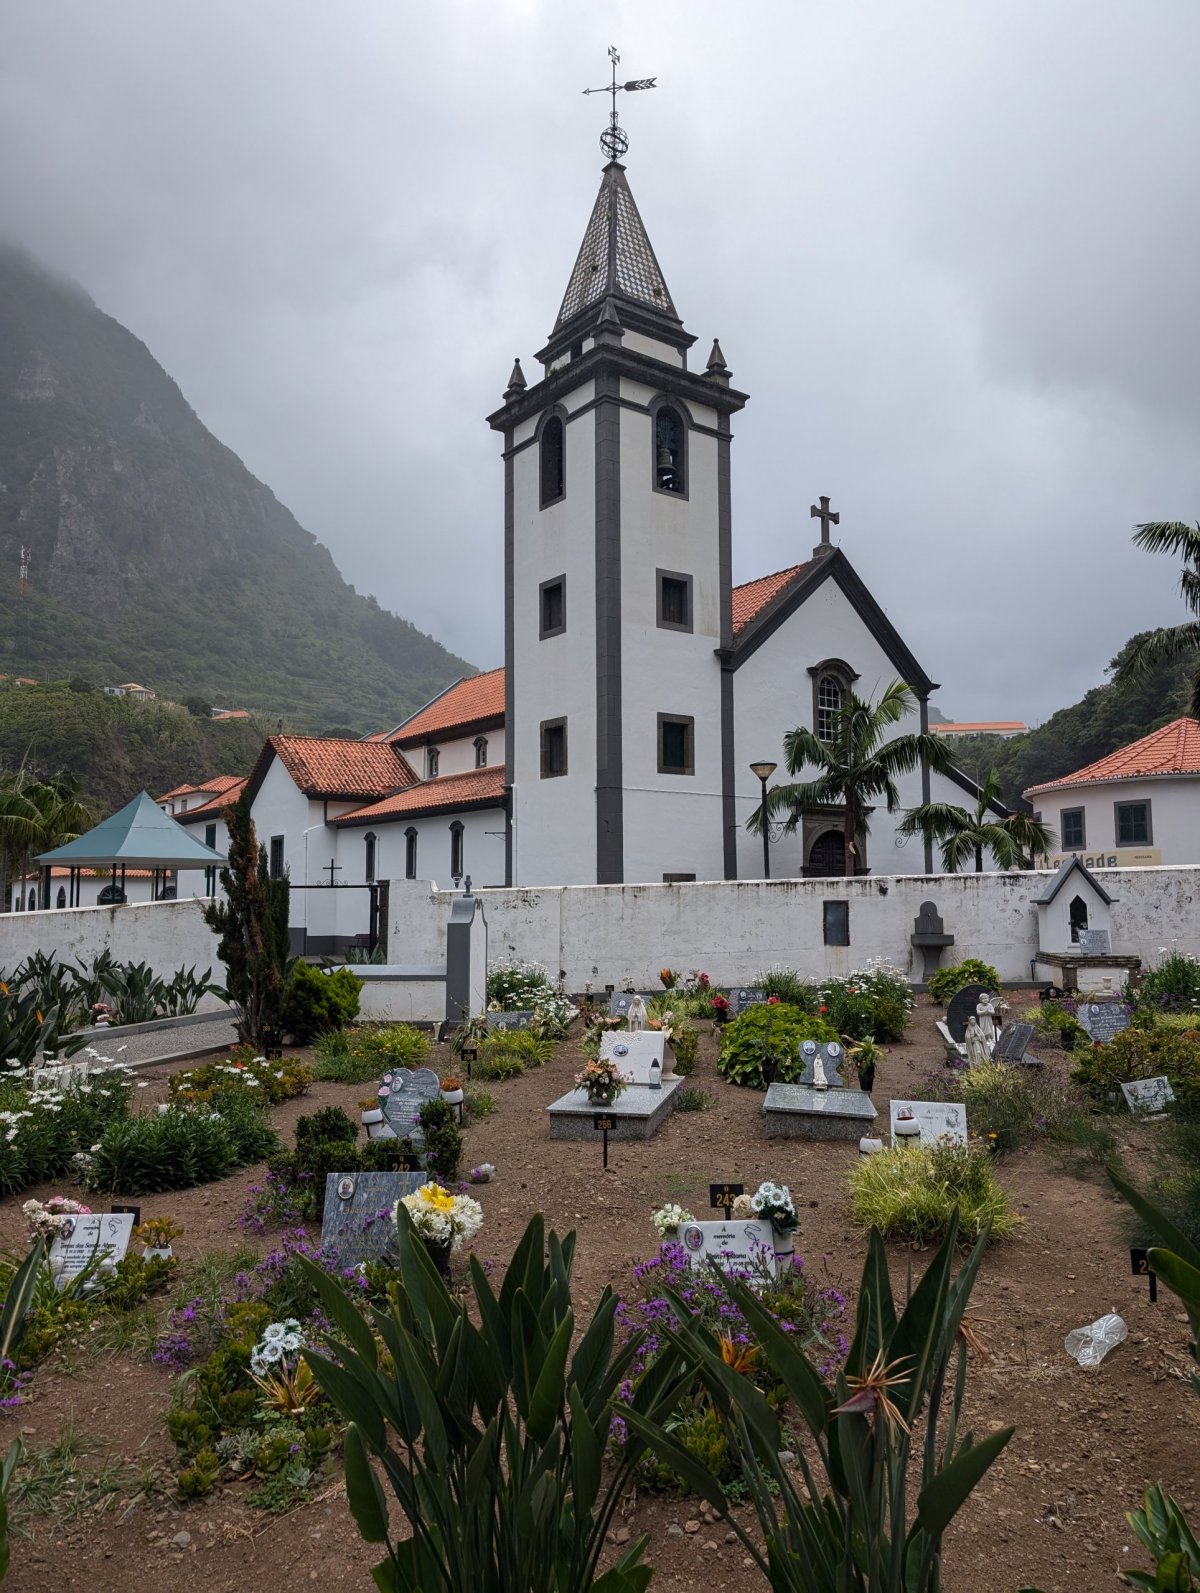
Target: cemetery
x,y
201,1235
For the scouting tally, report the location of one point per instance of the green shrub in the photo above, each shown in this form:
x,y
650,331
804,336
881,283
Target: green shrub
x,y
1012,1106
47,1129
1174,983
789,987
477,1104
267,1083
331,1122
179,1148
443,1141
871,1005
682,1004
506,1054
914,1193
360,1055
518,986
685,1043
946,982
1059,1026
315,1002
1142,1054
768,1030
689,1099
1176,1179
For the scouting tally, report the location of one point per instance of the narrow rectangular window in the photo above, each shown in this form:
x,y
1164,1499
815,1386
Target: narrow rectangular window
x,y
676,744
1133,823
835,922
276,862
552,605
410,854
1072,831
210,874
554,747
674,601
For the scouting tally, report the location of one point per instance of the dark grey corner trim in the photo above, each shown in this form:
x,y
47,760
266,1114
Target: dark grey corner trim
x,y
1135,802
673,625
683,415
925,784
610,832
510,719
725,598
689,722
544,631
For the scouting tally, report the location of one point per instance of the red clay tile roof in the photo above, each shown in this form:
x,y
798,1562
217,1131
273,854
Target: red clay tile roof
x,y
753,596
475,700
224,799
219,783
478,787
337,766
1175,749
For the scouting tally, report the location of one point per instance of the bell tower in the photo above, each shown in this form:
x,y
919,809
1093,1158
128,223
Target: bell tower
x,y
618,578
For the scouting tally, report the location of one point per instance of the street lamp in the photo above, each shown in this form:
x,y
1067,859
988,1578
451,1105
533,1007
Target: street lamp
x,y
763,772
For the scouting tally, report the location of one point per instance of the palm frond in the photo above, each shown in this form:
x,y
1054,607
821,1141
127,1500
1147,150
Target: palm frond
x,y
801,748
957,851
1162,646
1169,536
934,820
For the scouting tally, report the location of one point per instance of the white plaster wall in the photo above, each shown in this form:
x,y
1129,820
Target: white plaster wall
x,y
773,693
137,890
554,820
641,344
483,847
456,755
1174,816
604,934
167,935
280,809
192,881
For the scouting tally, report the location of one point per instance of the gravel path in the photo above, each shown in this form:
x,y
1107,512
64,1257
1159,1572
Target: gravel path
x,y
161,1044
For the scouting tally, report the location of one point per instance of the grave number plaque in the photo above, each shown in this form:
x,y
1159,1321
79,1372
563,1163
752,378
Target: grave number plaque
x,y
1139,1265
603,1123
722,1196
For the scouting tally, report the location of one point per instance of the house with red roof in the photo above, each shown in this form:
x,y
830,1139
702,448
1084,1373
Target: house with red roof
x,y
1137,807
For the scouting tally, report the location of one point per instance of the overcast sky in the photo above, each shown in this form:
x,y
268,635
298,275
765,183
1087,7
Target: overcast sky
x,y
950,250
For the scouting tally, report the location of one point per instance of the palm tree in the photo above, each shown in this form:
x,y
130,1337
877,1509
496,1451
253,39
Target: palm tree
x,y
966,833
36,815
1169,642
856,766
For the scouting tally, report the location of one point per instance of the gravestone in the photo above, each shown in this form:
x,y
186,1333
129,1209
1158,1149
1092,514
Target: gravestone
x,y
801,1111
1148,1095
741,999
1103,1019
500,1021
1013,1042
618,1003
735,1244
821,1064
1095,942
930,938
637,1113
85,1236
633,1053
357,1225
402,1093
938,1120
962,1005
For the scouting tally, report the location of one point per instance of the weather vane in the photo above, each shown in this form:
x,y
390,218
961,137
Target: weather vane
x,y
614,141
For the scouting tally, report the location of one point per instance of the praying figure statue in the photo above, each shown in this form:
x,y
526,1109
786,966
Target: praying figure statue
x,y
637,1015
976,1047
986,1011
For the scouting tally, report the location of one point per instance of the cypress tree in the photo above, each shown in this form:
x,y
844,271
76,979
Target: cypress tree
x,y
248,923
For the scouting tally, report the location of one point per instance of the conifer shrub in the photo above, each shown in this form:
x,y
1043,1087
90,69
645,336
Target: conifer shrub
x,y
315,1002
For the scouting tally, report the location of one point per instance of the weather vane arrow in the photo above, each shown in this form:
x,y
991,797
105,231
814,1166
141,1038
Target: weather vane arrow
x,y
614,140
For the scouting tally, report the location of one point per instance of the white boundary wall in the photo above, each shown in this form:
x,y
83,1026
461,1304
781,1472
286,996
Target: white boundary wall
x,y
606,934
167,935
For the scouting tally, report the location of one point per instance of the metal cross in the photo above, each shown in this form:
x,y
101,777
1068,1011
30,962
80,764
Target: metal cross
x,y
826,516
614,141
334,868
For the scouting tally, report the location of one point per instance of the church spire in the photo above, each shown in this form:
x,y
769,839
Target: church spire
x,y
616,259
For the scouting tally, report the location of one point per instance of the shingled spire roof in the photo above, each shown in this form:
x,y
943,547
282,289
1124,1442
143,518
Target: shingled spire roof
x,y
616,258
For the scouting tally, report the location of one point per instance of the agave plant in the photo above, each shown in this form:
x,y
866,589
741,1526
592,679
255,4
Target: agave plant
x,y
842,1526
491,1434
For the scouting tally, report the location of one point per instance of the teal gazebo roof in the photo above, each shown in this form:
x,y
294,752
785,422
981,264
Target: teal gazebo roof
x,y
141,835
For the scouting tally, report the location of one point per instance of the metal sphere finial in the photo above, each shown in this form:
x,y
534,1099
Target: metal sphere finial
x,y
614,141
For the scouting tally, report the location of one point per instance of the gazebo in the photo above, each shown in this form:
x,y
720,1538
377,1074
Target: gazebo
x,y
142,836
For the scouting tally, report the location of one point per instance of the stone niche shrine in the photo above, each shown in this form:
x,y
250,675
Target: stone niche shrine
x,y
1075,933
820,1105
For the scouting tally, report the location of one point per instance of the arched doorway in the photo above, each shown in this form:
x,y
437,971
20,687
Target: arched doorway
x,y
828,855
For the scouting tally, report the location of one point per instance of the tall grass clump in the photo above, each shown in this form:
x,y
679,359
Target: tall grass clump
x,y
914,1193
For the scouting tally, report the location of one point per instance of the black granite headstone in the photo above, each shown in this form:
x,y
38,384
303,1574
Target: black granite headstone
x,y
1103,1019
508,1020
358,1224
740,1000
1013,1042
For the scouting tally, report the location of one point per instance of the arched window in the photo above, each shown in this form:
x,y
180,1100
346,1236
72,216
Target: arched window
x,y
456,850
410,853
1077,917
830,703
481,752
431,763
670,473
553,460
369,857
32,902
61,898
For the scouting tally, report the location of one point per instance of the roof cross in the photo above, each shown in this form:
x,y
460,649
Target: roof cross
x,y
827,517
614,140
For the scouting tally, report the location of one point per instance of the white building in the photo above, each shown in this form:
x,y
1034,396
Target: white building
x,y
1139,806
201,809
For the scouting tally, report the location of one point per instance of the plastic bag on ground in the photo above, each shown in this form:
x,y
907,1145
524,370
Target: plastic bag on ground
x,y
1089,1345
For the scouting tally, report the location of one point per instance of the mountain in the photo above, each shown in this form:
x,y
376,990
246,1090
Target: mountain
x,y
155,555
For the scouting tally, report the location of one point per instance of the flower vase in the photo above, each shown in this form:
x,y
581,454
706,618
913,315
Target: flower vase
x,y
157,1253
785,1248
668,1067
439,1254
452,1097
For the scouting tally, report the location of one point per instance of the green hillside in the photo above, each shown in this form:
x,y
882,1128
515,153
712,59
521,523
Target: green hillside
x,y
155,555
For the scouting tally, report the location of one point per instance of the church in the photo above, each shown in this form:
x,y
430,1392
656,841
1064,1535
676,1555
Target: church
x,y
640,686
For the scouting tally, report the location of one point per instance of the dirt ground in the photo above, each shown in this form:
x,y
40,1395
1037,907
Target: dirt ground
x,y
1050,1514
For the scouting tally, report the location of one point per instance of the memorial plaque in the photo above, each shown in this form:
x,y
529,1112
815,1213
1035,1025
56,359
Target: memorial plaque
x,y
1095,942
633,1053
402,1093
740,1000
938,1120
962,1006
1103,1019
821,1064
737,1244
618,1003
1013,1042
1148,1095
87,1236
500,1021
357,1225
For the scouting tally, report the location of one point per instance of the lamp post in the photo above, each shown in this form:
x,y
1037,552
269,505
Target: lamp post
x,y
763,772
